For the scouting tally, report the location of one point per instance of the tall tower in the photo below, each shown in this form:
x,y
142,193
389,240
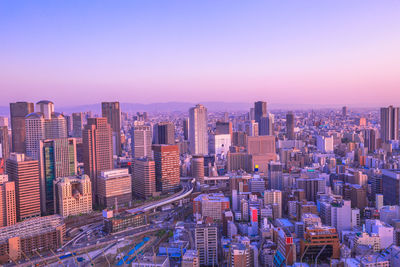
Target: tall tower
x,y
260,110
57,159
164,133
112,111
141,141
198,130
18,111
290,125
4,147
144,177
8,212
35,131
25,173
97,149
198,168
77,124
166,159
389,124
274,197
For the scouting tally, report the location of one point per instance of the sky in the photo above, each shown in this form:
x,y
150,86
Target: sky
x,y
140,51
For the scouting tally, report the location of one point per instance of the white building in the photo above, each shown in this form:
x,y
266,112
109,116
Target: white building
x,y
198,130
219,144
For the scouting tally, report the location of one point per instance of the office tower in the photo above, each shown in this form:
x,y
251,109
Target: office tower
x,y
77,124
164,133
141,141
57,158
219,144
97,149
144,177
23,240
166,158
210,205
311,186
251,128
341,215
275,175
290,125
8,209
186,129
272,197
35,131
344,111
206,243
46,108
4,147
111,111
239,139
370,139
197,167
261,144
358,196
72,195
389,124
198,130
223,127
18,111
265,126
260,110
114,186
68,120
25,173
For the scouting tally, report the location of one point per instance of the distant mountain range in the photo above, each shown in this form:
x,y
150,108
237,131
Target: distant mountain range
x,y
181,106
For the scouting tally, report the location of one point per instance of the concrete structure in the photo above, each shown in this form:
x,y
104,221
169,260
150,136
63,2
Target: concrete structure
x,y
114,187
390,123
290,122
198,130
77,124
219,144
197,167
97,149
25,173
144,177
164,133
8,209
272,197
141,141
190,258
391,187
206,243
57,158
341,215
315,238
112,111
72,195
38,234
325,144
210,205
166,159
18,111
4,146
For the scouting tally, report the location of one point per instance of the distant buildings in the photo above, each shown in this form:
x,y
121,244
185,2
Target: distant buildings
x,y
290,126
77,124
18,111
198,130
73,195
111,111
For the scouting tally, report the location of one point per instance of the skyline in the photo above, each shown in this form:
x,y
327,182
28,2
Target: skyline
x,y
140,52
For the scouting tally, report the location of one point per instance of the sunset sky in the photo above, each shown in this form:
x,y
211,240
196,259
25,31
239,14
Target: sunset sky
x,y
77,52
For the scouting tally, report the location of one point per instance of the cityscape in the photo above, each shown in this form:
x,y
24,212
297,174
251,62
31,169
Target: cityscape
x,y
183,134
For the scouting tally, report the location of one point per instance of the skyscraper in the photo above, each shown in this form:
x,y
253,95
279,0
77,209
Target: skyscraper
x,y
25,173
164,133
290,125
18,111
114,186
166,159
111,111
57,158
8,213
197,167
260,110
144,177
185,129
141,141
35,131
223,128
97,149
389,124
77,124
4,147
206,243
272,197
198,130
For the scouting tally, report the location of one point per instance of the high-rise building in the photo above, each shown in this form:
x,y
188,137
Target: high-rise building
x,y
197,166
166,158
275,175
206,243
344,111
35,131
18,111
97,149
141,141
164,133
185,129
222,127
114,187
265,126
370,137
57,158
390,123
210,205
260,110
4,147
144,177
73,195
112,111
219,144
311,187
25,173
198,130
8,210
77,124
272,197
290,125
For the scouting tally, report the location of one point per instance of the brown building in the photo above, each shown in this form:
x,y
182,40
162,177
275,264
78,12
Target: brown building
x,y
197,167
166,159
97,149
239,139
164,133
18,111
4,146
36,234
25,173
262,150
112,111
239,161
114,187
315,240
222,127
8,212
358,197
144,178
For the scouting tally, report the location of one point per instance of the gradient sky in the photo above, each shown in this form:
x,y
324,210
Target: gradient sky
x,y
76,52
